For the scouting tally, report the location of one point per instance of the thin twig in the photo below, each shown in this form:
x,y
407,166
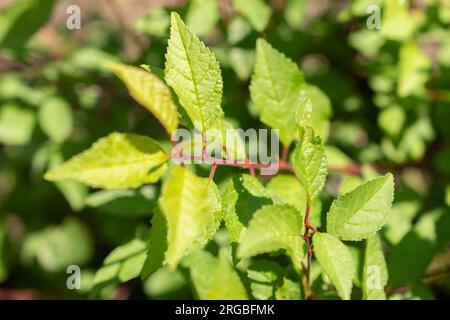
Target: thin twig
x,y
306,237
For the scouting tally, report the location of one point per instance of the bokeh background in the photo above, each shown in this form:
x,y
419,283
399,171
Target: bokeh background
x,y
389,109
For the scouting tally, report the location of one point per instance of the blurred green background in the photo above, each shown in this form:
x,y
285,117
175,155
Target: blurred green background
x,y
389,92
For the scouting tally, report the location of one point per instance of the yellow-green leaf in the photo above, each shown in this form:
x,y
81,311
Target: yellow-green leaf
x,y
413,70
150,91
310,163
202,16
194,74
16,124
118,161
336,261
275,89
122,264
273,228
287,189
242,196
257,12
193,211
361,212
214,278
375,274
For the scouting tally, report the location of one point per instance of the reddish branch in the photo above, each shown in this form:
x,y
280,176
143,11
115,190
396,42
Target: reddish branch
x,y
307,238
284,153
19,294
282,164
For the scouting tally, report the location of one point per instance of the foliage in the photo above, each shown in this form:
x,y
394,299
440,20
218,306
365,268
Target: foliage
x,y
358,210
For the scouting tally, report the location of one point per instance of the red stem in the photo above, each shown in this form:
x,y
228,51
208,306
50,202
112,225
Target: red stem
x,y
284,153
213,171
306,237
354,168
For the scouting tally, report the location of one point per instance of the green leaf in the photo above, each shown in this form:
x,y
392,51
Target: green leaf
x,y
304,110
273,228
238,29
367,41
242,61
257,12
375,274
202,16
392,119
264,276
290,288
363,211
57,247
413,70
194,74
321,110
400,220
233,141
14,86
56,119
124,203
397,22
337,262
242,196
157,244
357,250
16,125
214,278
20,20
310,163
287,189
336,158
166,284
295,13
275,89
155,23
412,143
150,91
122,264
74,192
349,182
118,161
192,208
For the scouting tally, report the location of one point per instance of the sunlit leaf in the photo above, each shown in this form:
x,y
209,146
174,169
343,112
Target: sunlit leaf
x,y
193,211
310,163
123,263
150,91
275,89
375,274
337,262
287,189
56,119
21,19
273,228
413,73
363,211
194,74
16,124
214,278
57,247
257,12
202,16
242,196
118,161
